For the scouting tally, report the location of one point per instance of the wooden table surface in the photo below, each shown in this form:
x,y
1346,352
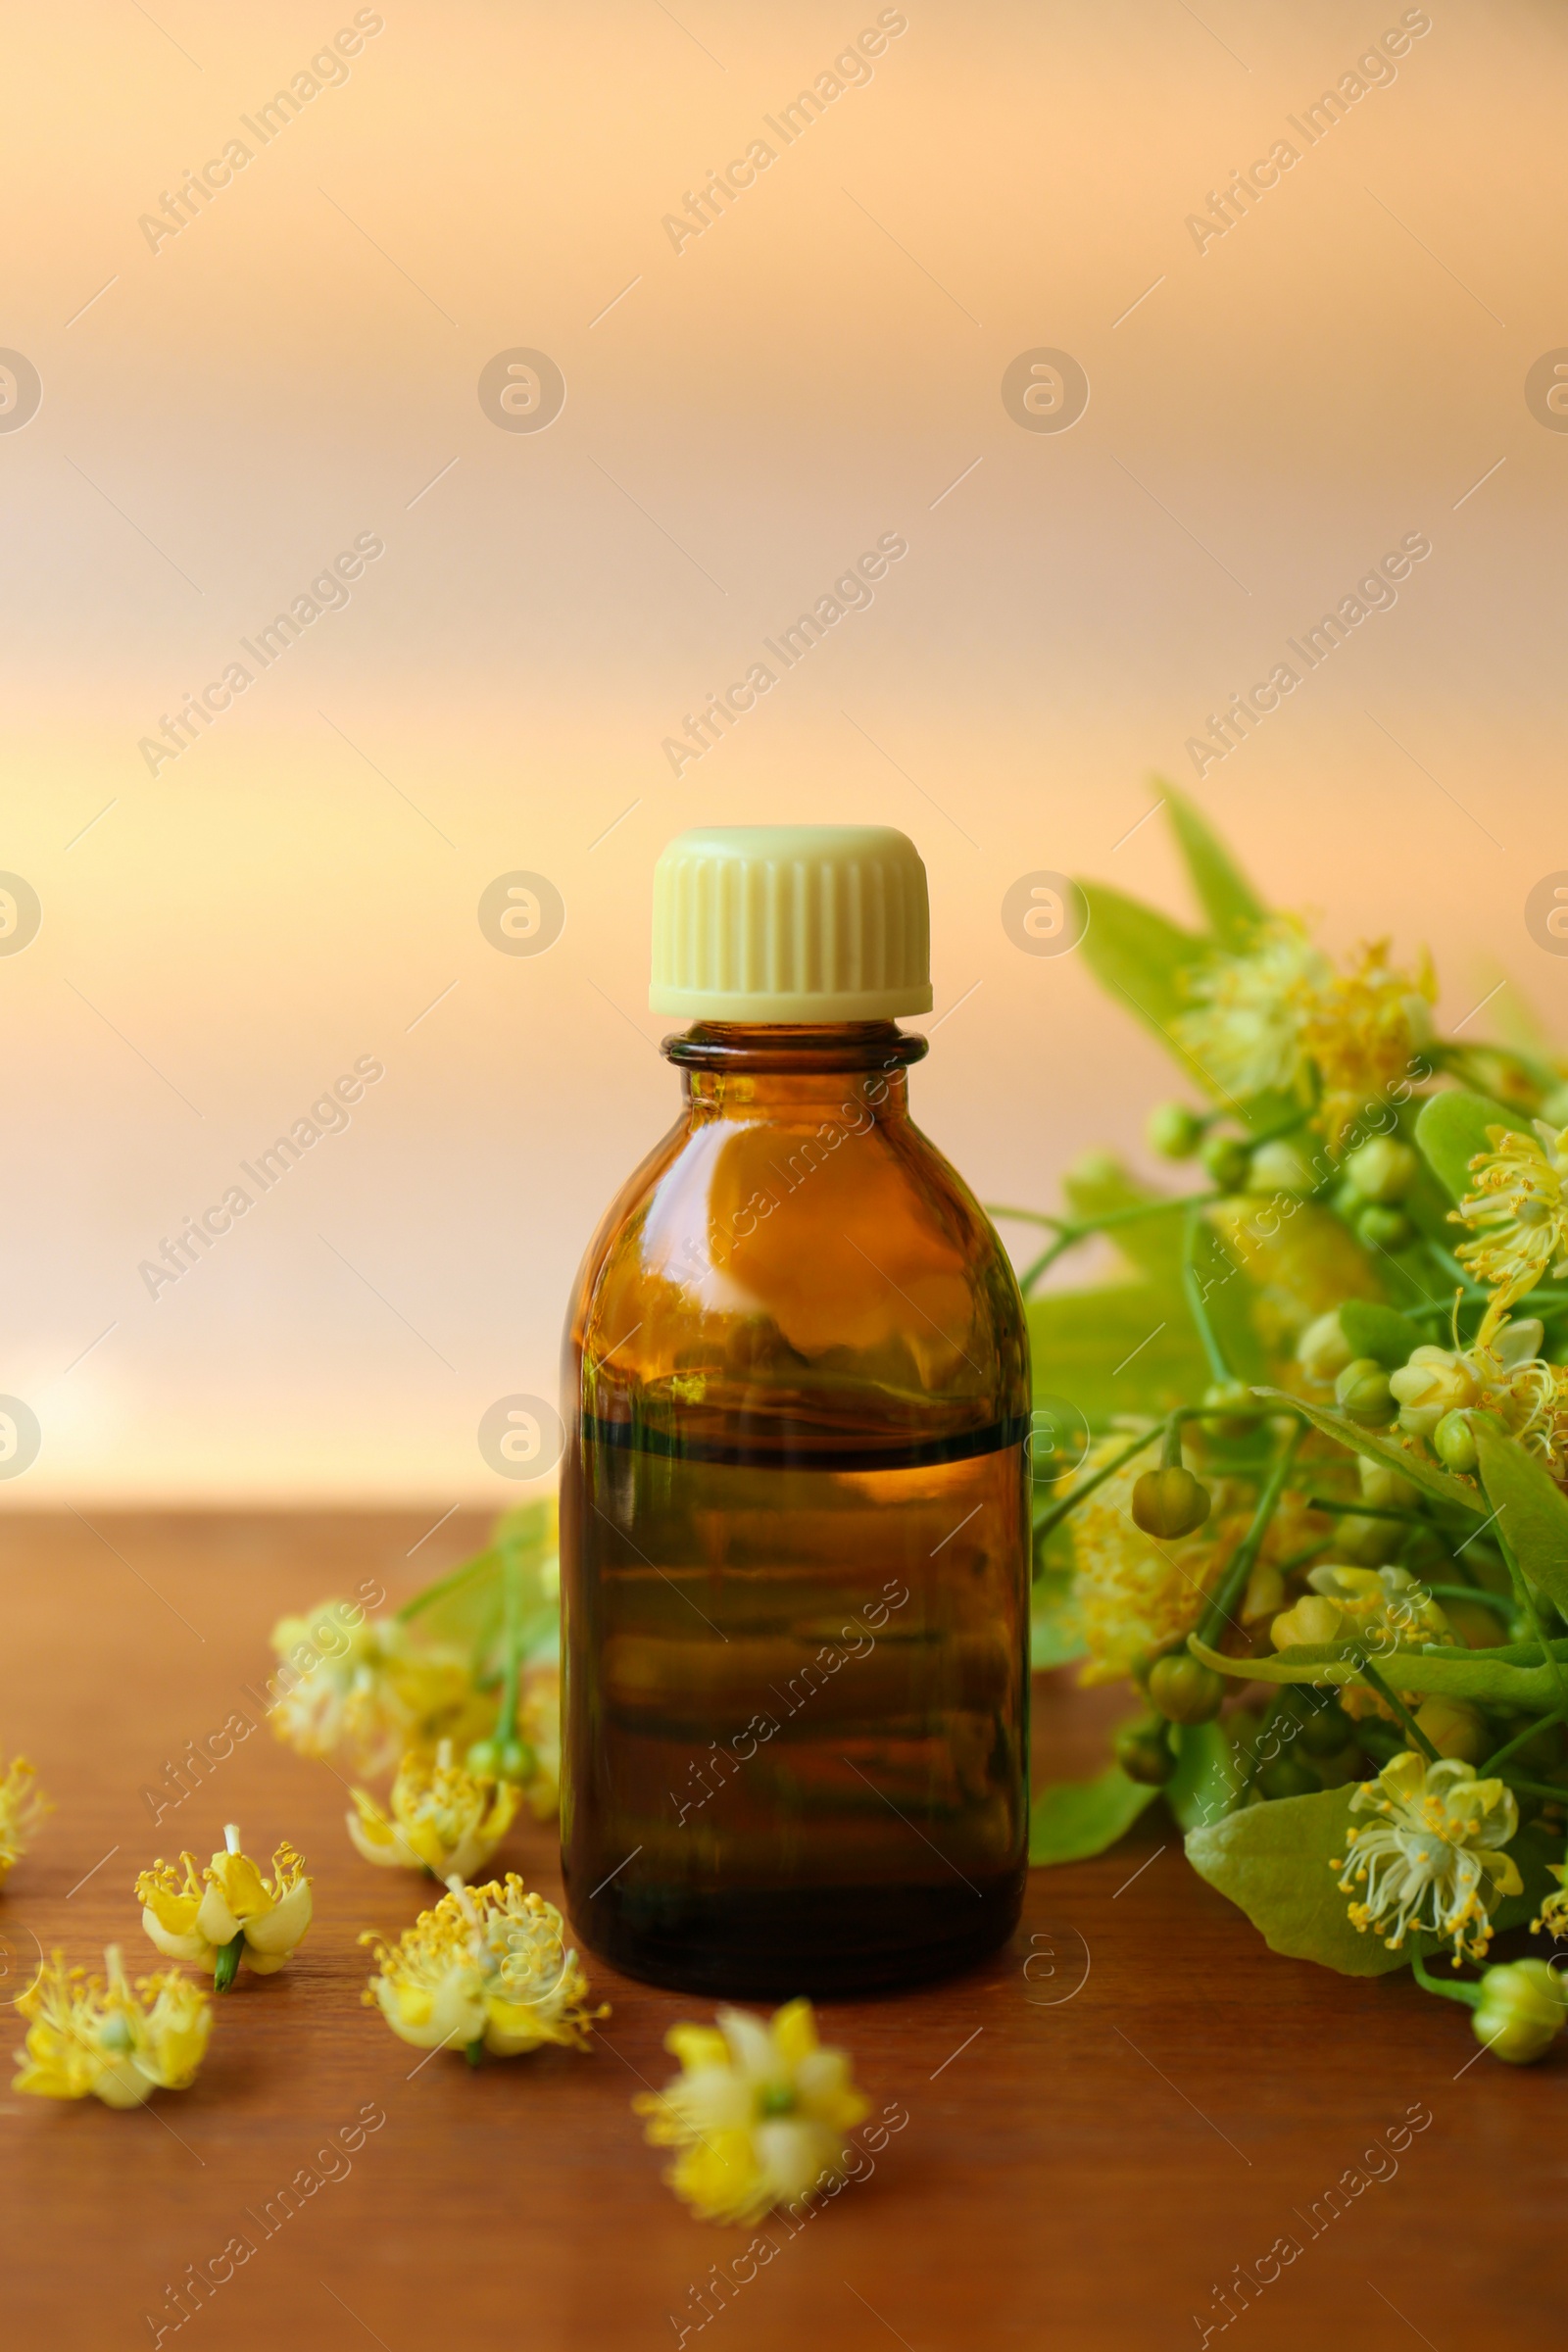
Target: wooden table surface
x,y
1130,2101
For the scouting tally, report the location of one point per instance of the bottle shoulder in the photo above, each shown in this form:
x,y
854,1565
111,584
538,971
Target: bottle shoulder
x,y
815,1267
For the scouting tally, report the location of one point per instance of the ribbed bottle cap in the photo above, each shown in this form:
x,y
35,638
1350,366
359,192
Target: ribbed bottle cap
x,y
791,923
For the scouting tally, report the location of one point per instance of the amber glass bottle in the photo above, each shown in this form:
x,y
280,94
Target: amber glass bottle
x,y
795,1523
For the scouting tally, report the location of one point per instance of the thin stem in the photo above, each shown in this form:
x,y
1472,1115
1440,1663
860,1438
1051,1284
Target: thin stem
x,y
1545,1789
1374,1681
1049,1520
1543,1723
1196,1301
1500,1601
510,1602
1070,1232
1232,1583
1469,1994
1363,1510
1024,1216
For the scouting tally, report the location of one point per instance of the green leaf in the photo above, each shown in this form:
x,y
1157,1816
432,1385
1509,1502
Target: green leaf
x,y
1099,1186
1227,898
1074,1818
1056,1631
1129,1347
1477,1674
1208,1779
1140,955
1453,1128
1532,1513
1378,1331
1435,1483
1273,1860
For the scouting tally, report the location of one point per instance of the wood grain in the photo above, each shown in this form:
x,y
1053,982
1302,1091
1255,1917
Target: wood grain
x,y
1086,2156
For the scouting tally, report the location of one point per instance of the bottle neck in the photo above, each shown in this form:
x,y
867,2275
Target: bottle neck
x,y
741,1070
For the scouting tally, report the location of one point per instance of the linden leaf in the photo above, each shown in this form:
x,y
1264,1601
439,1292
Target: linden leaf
x,y
1231,906
1453,1128
1532,1514
1273,1861
1432,1672
1207,1780
1435,1483
1074,1818
1139,955
1380,1332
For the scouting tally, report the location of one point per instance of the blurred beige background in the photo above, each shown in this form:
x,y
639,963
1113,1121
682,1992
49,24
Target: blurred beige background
x,y
822,365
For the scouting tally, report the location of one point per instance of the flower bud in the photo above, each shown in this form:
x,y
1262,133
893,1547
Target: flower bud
x,y
1143,1753
1362,1393
1226,1161
1184,1690
1454,1729
1174,1131
1281,1166
1322,1350
1326,1731
1370,1543
1234,1400
1436,1381
1170,1503
1288,1776
1314,1619
1384,1228
1384,1487
1521,2011
1453,1441
1384,1170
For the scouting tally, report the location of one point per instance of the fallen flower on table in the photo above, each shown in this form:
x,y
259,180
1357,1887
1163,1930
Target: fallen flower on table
x,y
486,1969
228,1912
22,1805
109,2038
443,1819
759,2112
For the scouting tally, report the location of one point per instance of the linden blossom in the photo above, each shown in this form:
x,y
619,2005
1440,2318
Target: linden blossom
x,y
326,70
850,594
1375,593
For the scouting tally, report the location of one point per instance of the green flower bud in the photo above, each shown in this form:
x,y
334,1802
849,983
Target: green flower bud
x,y
1233,1398
1226,1161
1325,1731
1521,2011
1453,1441
1143,1753
1170,1503
517,1760
1384,1170
1184,1690
1281,1166
1287,1775
1323,1351
1454,1729
1385,1487
1384,1228
483,1757
1174,1131
1364,1394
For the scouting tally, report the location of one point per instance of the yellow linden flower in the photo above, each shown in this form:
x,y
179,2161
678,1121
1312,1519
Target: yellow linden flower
x,y
443,1820
115,2040
1501,1374
1435,1860
230,1912
1554,1910
1261,1021
1386,1604
1364,1031
759,2112
1518,1210
1136,1592
486,1969
22,1805
369,1688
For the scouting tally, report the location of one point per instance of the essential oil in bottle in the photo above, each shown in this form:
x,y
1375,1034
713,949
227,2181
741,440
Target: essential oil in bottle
x,y
795,1502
